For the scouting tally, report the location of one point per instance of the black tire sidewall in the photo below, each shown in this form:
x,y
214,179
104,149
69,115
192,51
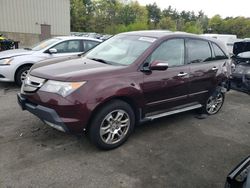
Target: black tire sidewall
x,y
19,73
94,129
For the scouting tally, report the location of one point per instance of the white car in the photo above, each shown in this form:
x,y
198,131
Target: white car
x,y
15,64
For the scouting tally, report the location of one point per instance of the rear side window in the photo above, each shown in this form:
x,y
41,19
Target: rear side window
x,y
89,44
218,53
172,51
71,46
198,51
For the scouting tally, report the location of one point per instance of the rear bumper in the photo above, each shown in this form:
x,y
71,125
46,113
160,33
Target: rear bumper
x,y
49,116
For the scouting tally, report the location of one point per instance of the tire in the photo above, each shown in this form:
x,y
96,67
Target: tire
x,y
112,125
214,103
21,74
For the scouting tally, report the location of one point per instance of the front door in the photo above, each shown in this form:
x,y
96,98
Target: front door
x,y
164,90
66,48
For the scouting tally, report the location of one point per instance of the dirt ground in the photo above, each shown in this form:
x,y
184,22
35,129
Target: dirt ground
x,y
176,151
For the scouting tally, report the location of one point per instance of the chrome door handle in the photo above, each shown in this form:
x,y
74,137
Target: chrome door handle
x,y
181,74
215,68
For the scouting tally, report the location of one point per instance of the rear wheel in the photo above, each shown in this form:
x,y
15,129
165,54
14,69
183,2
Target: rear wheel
x,y
21,75
214,103
112,125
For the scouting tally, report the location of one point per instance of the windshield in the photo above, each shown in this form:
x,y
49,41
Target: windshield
x,y
121,49
44,44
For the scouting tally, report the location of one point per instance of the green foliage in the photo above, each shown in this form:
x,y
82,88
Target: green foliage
x,y
193,27
168,24
154,14
116,16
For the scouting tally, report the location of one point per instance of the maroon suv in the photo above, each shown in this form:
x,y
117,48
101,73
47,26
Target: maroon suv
x,y
128,79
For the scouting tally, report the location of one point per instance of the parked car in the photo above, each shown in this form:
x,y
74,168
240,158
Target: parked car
x,y
130,78
241,74
239,177
15,64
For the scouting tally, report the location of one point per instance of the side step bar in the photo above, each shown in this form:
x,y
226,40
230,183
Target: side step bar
x,y
173,112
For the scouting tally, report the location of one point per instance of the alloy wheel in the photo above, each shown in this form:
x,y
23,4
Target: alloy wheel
x,y
24,75
114,126
214,103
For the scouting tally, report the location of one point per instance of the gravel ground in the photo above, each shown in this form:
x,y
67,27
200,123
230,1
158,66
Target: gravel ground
x,y
176,151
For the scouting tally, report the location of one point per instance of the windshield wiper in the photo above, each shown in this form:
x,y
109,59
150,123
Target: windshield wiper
x,y
101,60
27,48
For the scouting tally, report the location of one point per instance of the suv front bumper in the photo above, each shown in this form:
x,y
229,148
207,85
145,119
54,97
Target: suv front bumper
x,y
47,115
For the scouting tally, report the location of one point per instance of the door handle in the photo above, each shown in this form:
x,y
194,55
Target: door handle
x,y
215,68
181,74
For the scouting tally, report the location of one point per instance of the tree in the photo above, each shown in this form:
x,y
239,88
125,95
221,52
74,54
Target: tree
x,y
215,23
154,14
168,23
77,15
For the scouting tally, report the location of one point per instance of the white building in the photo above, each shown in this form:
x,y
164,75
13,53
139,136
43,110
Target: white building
x,y
30,21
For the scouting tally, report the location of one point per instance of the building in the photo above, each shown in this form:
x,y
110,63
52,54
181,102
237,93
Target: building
x,y
30,21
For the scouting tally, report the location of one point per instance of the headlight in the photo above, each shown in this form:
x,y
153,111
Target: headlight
x,y
6,61
61,88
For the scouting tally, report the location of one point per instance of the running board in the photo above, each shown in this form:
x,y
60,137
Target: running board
x,y
173,112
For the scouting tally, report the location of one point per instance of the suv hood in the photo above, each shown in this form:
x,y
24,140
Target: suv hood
x,y
72,69
240,47
14,53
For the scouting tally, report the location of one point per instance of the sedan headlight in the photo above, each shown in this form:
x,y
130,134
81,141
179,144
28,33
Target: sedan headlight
x,y
61,88
6,61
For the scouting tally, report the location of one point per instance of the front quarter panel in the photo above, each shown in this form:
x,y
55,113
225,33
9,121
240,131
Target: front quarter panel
x,y
97,92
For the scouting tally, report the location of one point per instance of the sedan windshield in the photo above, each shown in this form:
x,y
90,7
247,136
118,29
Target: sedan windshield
x,y
121,49
44,44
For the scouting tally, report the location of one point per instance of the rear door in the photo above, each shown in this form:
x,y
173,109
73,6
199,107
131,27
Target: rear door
x,y
204,69
164,90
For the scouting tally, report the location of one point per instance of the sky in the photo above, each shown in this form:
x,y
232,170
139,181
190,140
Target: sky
x,y
210,7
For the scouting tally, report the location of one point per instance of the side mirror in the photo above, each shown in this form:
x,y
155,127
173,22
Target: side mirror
x,y
52,51
158,65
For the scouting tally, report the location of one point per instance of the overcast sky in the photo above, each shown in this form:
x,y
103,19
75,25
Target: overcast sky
x,y
210,7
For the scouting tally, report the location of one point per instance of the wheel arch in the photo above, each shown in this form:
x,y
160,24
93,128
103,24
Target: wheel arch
x,y
128,100
20,67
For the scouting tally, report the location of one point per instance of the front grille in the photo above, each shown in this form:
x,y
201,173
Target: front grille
x,y
32,84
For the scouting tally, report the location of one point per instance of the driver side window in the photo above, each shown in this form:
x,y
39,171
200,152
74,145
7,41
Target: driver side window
x,y
172,51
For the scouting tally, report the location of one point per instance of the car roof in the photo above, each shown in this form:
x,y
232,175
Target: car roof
x,y
164,33
77,37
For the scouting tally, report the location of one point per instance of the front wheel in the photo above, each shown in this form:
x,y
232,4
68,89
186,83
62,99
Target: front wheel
x,y
21,75
112,125
214,103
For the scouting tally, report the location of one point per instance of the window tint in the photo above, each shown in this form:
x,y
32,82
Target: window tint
x,y
68,46
219,54
171,51
89,45
74,46
198,51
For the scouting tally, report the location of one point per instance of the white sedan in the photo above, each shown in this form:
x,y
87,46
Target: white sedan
x,y
15,64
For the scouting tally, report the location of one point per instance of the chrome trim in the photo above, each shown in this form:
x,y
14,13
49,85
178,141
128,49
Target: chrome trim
x,y
167,100
215,68
182,74
31,84
198,93
174,112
